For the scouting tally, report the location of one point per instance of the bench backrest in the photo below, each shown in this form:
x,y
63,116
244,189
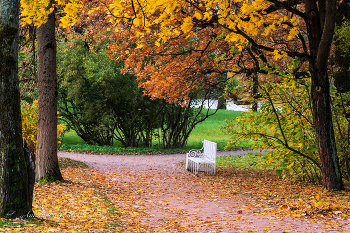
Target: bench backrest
x,y
209,150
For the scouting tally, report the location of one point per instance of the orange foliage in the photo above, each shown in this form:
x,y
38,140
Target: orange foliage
x,y
141,201
196,44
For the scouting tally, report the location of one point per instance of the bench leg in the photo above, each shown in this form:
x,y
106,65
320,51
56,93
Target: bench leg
x,y
197,168
187,161
194,167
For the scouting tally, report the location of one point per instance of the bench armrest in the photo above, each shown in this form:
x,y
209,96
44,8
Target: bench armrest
x,y
195,154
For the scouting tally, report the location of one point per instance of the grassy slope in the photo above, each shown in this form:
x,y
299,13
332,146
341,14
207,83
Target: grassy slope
x,y
210,130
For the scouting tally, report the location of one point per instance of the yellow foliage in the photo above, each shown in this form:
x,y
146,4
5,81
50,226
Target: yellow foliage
x,y
279,54
71,9
171,20
294,31
207,16
198,15
37,12
30,124
187,25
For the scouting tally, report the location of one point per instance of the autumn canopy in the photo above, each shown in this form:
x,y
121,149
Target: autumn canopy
x,y
174,47
180,45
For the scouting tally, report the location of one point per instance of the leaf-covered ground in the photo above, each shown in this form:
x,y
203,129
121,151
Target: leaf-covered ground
x,y
169,199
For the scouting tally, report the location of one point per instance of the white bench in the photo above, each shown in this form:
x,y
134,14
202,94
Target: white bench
x,y
202,160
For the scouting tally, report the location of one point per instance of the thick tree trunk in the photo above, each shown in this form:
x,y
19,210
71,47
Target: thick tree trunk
x,y
221,103
320,25
14,200
327,150
47,169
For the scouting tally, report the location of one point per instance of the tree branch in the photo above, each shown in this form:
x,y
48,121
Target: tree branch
x,y
327,34
288,5
287,147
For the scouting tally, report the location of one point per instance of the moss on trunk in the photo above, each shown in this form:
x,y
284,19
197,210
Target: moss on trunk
x,y
50,177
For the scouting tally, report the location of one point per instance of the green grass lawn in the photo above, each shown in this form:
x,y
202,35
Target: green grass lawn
x,y
247,161
210,130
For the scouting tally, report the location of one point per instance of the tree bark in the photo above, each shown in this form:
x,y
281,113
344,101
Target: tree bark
x,y
320,25
14,187
47,169
221,103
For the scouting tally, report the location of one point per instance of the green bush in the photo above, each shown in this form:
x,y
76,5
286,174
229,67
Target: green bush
x,y
284,125
101,105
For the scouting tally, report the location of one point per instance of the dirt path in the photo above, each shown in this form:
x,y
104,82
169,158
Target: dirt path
x,y
162,197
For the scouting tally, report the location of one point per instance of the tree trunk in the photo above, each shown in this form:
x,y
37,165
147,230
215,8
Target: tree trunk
x,y
221,103
327,150
255,91
47,169
320,25
14,187
30,160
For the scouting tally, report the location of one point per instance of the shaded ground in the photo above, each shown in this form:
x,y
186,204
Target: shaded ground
x,y
156,194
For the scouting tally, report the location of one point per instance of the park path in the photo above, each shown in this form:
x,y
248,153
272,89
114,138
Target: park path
x,y
158,195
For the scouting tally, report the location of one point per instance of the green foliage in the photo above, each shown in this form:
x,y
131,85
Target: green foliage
x,y
85,148
232,88
177,122
49,178
27,64
208,129
101,105
284,125
342,37
341,119
80,101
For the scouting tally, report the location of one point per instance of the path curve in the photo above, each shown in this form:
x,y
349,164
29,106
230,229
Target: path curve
x,y
163,191
137,162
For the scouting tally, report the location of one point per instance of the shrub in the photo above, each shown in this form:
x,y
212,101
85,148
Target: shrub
x,y
101,105
284,125
30,124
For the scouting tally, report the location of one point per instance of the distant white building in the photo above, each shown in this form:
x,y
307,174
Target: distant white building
x,y
212,104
